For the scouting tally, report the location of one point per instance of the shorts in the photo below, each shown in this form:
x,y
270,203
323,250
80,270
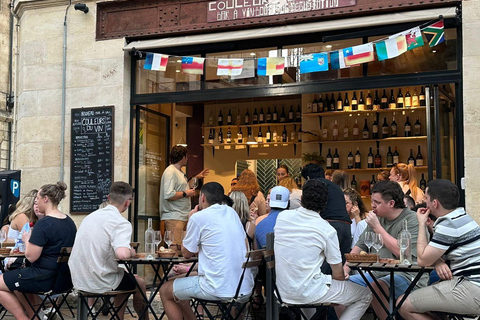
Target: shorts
x,y
458,295
128,282
29,279
401,284
189,287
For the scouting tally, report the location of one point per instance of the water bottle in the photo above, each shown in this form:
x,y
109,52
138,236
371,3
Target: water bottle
x,y
21,246
149,241
405,243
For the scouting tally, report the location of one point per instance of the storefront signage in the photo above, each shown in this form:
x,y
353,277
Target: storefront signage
x,y
224,10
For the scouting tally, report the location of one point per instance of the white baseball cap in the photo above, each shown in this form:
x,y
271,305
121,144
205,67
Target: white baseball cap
x,y
279,197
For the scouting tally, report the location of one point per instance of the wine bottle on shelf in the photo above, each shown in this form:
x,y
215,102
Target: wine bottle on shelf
x,y
346,131
220,136
239,118
411,159
335,131
408,128
354,104
419,160
268,135
291,114
293,135
339,103
393,127
358,159
325,131
365,132
423,183
210,119
389,157
299,134
220,118
255,117
378,159
284,134
421,98
260,135
361,102
229,136
372,183
332,106
261,116
329,164
356,130
315,104
326,104
369,101
408,99
211,137
418,128
350,160
247,118
336,160
396,156
375,129
309,106
298,114
354,184
376,101
415,102
346,103
274,135
392,104
275,115
384,128
370,159
283,116
229,117
240,135
320,104
268,116
400,100
384,100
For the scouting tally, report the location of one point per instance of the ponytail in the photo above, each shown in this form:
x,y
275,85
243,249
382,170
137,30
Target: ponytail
x,y
412,180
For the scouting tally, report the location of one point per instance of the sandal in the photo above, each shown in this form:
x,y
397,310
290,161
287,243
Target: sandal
x,y
257,302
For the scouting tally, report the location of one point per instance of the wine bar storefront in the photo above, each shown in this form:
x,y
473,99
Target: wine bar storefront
x,y
361,119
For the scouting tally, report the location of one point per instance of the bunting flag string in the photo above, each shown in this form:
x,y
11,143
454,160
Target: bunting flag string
x,y
241,68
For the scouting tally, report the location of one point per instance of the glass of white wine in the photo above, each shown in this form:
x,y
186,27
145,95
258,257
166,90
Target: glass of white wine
x,y
157,238
368,240
168,238
378,243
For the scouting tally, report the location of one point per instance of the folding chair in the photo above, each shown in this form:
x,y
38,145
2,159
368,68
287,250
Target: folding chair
x,y
107,301
233,308
292,310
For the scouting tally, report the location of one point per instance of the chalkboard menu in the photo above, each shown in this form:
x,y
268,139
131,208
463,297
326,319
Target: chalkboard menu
x,y
91,169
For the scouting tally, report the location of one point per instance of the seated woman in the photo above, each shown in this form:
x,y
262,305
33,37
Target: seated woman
x,y
295,192
405,175
22,215
248,184
43,245
240,205
357,211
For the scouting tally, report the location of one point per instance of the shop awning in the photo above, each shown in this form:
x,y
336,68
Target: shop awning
x,y
357,22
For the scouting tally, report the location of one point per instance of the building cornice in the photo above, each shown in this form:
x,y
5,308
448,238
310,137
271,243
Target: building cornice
x,y
20,6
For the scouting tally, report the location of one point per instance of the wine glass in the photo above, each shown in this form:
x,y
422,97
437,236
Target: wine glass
x,y
157,238
168,238
194,183
378,243
369,238
403,243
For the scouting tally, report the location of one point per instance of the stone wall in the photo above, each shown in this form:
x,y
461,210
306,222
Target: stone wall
x,y
4,83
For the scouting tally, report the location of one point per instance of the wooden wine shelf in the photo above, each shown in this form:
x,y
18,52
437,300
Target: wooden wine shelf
x,y
369,140
263,125
377,169
360,112
241,146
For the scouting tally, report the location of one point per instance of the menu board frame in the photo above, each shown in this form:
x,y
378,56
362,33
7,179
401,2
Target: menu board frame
x,y
87,126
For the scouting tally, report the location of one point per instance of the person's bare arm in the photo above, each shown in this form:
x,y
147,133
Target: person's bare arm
x,y
123,253
337,272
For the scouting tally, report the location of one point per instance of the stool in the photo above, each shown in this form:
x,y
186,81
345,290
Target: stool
x,y
105,297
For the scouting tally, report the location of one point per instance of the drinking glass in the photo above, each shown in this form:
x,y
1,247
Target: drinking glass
x,y
378,244
403,243
369,238
157,238
194,183
3,237
168,238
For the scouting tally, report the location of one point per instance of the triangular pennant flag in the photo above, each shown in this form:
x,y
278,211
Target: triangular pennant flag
x,y
358,54
337,61
391,48
192,65
313,62
434,33
229,67
271,66
156,61
414,38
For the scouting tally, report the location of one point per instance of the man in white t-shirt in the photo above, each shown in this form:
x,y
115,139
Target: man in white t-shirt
x,y
303,241
216,232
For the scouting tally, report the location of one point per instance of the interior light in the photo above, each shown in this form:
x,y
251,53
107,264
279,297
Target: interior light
x,y
329,46
253,54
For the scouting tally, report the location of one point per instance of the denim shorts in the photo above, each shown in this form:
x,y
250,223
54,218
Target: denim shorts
x,y
401,284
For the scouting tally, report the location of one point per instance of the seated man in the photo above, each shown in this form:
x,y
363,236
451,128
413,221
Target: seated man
x,y
104,236
303,240
387,219
216,232
456,236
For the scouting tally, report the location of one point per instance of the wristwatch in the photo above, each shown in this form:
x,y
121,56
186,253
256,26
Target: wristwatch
x,y
184,194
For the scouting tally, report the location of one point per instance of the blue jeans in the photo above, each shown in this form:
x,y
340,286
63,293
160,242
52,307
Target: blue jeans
x,y
401,284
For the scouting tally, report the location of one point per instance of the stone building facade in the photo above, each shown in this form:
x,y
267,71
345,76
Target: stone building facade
x,y
5,115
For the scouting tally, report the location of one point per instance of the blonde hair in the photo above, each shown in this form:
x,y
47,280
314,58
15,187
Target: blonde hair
x,y
25,205
248,184
407,173
240,205
289,183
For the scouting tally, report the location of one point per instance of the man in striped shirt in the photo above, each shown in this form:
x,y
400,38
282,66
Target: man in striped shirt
x,y
456,238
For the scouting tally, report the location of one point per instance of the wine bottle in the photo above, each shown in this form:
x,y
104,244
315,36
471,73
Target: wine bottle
x,y
365,132
320,104
415,102
396,156
408,99
284,134
350,160
291,114
358,159
298,114
247,118
354,104
346,103
372,183
393,127
336,160
220,118
354,184
332,105
419,160
370,159
392,104
299,134
411,159
210,119
361,102
408,128
229,117
356,130
293,135
239,118
369,101
314,104
268,135
405,241
384,100
283,116
210,137
326,104
421,98
255,117
261,116
376,101
260,135
275,115
325,131
400,100
229,136
274,135
418,128
339,102
329,164
389,157
378,159
268,117
346,131
149,241
220,136
423,183
375,129
384,128
335,131
240,135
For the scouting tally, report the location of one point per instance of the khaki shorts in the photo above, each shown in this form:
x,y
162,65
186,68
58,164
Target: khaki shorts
x,y
177,227
458,295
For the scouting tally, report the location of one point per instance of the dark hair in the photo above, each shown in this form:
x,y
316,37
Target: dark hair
x,y
283,166
341,179
227,200
445,192
410,202
54,192
356,198
177,153
314,195
214,192
390,190
313,171
120,192
418,206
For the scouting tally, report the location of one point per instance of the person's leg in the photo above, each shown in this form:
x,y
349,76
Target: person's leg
x,y
408,312
117,301
175,309
10,302
34,300
139,303
401,285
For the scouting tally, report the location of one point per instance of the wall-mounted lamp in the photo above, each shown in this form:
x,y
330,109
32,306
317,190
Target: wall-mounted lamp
x,y
182,142
81,7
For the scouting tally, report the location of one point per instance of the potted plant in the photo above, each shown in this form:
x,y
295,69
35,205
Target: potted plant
x,y
314,157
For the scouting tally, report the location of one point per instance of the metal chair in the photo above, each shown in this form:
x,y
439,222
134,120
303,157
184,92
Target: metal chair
x,y
106,298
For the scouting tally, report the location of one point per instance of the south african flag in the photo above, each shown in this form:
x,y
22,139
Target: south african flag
x,y
434,33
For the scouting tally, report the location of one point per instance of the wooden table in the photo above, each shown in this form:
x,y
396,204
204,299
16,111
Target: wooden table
x,y
368,267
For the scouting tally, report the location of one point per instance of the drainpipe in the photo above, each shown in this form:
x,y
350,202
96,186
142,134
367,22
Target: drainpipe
x,y
10,87
12,128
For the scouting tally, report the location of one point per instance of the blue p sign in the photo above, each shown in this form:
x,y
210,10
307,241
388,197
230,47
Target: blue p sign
x,y
15,188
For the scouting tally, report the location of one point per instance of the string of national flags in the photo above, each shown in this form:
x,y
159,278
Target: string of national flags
x,y
386,48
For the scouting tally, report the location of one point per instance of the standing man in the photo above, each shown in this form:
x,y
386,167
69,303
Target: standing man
x,y
387,219
104,236
457,237
303,241
216,232
176,193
